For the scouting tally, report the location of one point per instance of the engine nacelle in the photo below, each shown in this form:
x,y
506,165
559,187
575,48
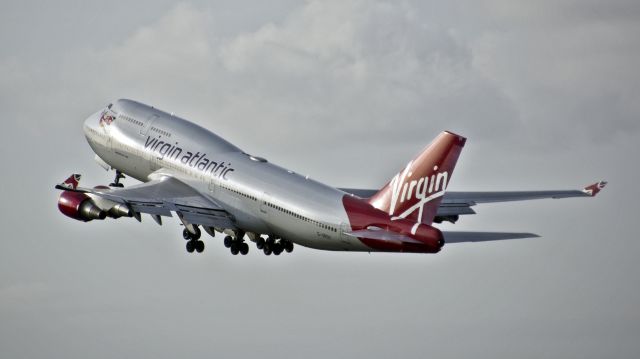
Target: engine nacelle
x,y
79,206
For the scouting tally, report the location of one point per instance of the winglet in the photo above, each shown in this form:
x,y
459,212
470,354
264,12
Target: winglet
x,y
593,189
70,183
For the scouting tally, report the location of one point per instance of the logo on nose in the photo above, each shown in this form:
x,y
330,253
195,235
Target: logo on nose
x,y
106,119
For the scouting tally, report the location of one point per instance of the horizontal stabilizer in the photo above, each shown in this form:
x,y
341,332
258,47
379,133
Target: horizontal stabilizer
x,y
382,235
458,237
593,189
460,203
70,184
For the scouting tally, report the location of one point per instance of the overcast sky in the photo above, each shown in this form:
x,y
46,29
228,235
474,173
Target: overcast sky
x,y
547,93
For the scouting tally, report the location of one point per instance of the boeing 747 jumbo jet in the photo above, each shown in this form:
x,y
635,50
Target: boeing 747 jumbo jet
x,y
213,185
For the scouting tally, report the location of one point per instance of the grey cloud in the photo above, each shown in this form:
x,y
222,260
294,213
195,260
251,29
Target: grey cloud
x,y
575,72
374,64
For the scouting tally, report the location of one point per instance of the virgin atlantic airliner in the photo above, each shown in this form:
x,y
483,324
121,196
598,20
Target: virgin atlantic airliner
x,y
210,184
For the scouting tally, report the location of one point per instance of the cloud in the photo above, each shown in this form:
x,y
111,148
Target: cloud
x,y
360,79
359,72
366,71
567,66
373,69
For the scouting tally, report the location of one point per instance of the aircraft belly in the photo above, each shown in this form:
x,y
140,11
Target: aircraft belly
x,y
244,211
309,235
126,162
330,243
247,220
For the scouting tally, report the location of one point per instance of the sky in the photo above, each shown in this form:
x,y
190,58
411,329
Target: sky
x,y
347,92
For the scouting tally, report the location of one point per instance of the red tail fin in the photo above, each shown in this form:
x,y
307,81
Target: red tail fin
x,y
71,182
416,192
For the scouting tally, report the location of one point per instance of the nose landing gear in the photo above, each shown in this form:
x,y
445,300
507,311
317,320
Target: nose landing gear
x,y
116,181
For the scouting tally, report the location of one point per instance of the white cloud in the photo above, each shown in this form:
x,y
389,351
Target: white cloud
x,y
569,67
366,68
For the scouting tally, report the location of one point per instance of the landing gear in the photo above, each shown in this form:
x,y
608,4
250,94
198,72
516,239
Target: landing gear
x,y
188,235
116,181
199,246
235,248
244,249
277,248
236,245
193,242
271,245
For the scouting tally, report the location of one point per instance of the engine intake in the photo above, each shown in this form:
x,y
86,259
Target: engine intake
x,y
79,206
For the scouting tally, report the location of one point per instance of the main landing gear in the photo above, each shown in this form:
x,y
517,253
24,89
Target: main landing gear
x,y
193,241
237,245
271,245
116,181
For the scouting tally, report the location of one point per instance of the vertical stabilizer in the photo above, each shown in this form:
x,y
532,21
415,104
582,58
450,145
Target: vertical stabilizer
x,y
416,192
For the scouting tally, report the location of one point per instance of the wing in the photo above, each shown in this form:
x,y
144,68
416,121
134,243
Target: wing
x,y
162,196
460,203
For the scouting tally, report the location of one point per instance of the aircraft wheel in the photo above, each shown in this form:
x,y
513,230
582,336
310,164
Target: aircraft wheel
x,y
288,246
228,241
260,243
199,246
186,234
244,249
235,248
277,248
267,250
270,241
191,246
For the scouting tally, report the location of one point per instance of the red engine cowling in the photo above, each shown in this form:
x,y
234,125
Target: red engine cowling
x,y
79,206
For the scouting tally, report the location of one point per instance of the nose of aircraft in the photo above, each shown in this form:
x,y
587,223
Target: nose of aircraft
x,y
92,123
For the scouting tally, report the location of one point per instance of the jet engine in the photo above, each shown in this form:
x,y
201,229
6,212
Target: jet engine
x,y
79,206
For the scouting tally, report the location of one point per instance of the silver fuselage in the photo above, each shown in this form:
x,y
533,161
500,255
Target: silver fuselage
x,y
262,197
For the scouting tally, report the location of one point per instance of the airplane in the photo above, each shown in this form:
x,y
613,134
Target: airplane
x,y
210,184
